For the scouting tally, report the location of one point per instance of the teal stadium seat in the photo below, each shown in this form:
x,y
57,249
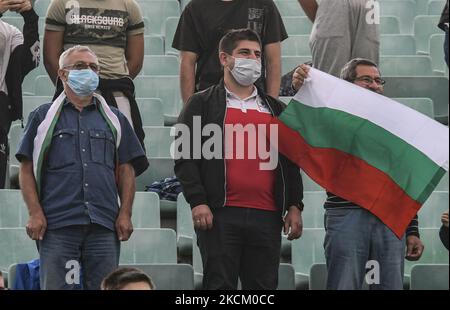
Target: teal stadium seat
x,y
146,210
443,184
296,45
429,277
389,25
289,63
16,247
289,8
158,11
158,141
406,66
185,227
430,213
424,27
160,168
154,44
160,65
170,27
15,134
313,214
422,105
318,276
286,277
435,7
171,277
41,7
297,25
437,53
150,246
43,86
405,10
13,211
397,45
151,110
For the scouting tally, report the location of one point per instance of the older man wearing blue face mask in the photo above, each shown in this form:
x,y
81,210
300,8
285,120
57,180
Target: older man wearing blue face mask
x,y
78,157
238,207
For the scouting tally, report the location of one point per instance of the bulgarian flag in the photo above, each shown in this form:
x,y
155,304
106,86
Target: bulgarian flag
x,y
364,147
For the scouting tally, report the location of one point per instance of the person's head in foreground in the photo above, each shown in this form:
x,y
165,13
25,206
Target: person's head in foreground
x,y
127,279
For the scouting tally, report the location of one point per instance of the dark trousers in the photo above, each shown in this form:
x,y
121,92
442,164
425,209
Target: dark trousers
x,y
243,243
3,156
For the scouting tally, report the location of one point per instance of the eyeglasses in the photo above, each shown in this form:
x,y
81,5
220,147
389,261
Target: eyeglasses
x,y
82,66
369,80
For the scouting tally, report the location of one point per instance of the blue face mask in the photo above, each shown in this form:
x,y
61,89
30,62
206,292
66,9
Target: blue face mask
x,y
83,82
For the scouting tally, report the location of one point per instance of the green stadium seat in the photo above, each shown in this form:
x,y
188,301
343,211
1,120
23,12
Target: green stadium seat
x,y
160,168
43,86
151,110
397,44
429,277
289,8
170,27
286,277
160,65
154,44
435,88
41,7
185,227
422,105
430,213
406,66
172,277
424,27
435,7
313,214
158,141
16,247
158,11
405,10
167,88
318,275
296,45
289,63
306,251
297,25
150,246
389,25
13,211
434,253
146,210
309,184
437,53
422,7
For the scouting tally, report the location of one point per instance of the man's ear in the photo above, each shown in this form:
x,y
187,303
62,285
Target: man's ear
x,y
62,74
223,58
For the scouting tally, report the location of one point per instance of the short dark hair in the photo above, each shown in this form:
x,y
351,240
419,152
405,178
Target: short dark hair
x,y
230,40
121,277
348,73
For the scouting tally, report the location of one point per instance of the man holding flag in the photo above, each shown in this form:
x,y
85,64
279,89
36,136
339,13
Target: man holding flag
x,y
356,237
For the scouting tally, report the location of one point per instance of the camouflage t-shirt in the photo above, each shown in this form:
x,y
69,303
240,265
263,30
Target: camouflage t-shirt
x,y
103,25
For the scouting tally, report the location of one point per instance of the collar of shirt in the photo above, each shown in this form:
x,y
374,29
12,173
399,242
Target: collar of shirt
x,y
90,106
253,102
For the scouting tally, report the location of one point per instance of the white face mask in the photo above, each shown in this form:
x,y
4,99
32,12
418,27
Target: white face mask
x,y
246,71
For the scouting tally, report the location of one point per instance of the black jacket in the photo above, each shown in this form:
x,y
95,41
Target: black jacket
x,y
443,233
444,18
24,58
203,180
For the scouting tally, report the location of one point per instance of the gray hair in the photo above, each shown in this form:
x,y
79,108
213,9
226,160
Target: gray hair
x,y
76,48
348,73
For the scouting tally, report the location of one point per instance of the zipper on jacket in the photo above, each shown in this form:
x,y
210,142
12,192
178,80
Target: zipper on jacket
x,y
281,167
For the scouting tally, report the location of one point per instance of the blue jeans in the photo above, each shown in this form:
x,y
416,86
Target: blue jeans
x,y
94,248
353,238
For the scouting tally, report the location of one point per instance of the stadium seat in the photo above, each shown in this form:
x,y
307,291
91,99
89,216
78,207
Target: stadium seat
x,y
183,4
289,8
429,277
309,184
435,88
405,10
13,211
154,44
434,253
289,63
158,141
158,11
424,27
306,251
160,168
389,25
15,134
297,25
318,275
41,7
443,184
146,211
406,66
43,86
314,209
172,277
151,110
422,105
185,227
296,45
167,88
437,53
397,44
435,7
31,103
16,247
150,246
160,65
197,264
286,277
430,213
170,27
422,7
